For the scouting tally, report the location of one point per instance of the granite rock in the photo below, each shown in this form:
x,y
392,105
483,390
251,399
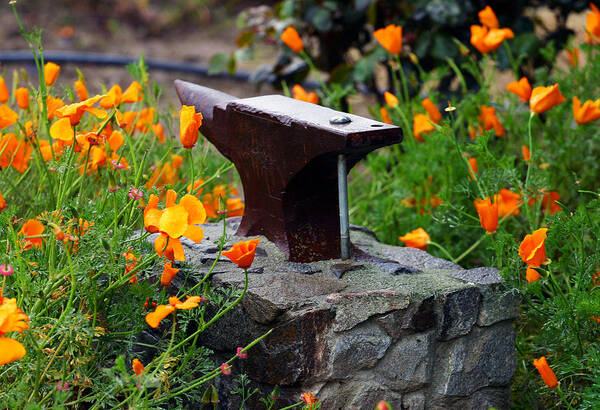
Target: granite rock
x,y
484,358
457,312
408,364
356,349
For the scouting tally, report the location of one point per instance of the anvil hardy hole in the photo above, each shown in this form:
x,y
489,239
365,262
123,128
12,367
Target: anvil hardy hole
x,y
377,125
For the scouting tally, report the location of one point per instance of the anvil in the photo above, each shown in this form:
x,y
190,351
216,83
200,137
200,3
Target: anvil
x,y
288,154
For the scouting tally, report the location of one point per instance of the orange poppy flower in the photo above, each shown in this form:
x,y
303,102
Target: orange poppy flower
x,y
115,140
7,116
521,88
592,28
508,202
532,275
145,119
488,18
549,203
309,398
526,153
61,130
573,57
588,113
300,94
52,104
473,165
190,302
196,189
162,311
291,39
14,152
75,111
533,248
390,99
31,230
235,207
416,239
21,156
390,38
189,123
131,266
12,319
51,71
2,202
168,274
385,116
486,40
421,125
4,95
160,132
10,350
138,367
133,93
176,221
22,95
488,214
112,97
242,253
487,118
432,110
80,90
544,98
546,372
126,120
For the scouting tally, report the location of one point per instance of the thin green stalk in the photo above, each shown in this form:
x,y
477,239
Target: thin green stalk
x,y
529,165
471,248
440,247
403,80
214,264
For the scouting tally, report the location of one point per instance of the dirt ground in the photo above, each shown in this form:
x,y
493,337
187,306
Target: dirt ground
x,y
131,31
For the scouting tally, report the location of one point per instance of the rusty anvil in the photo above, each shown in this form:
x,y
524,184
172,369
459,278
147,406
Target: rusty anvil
x,y
293,158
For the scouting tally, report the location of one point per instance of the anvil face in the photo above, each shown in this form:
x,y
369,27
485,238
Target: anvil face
x,y
285,152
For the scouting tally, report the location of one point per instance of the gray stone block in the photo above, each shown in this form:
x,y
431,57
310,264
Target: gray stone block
x,y
413,401
498,302
356,395
457,312
417,317
407,366
356,349
484,358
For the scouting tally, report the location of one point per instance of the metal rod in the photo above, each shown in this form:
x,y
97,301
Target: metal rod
x,y
343,204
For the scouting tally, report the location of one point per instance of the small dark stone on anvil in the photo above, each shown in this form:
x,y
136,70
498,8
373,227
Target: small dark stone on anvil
x,y
340,268
296,267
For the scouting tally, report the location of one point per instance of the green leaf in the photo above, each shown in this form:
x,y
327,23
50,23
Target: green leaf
x,y
231,64
217,64
245,39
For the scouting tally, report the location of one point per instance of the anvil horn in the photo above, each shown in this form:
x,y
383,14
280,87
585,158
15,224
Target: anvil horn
x,y
286,153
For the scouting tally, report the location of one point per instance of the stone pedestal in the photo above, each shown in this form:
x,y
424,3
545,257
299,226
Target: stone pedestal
x,y
439,337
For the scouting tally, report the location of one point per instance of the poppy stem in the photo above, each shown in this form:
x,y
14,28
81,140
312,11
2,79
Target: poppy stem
x,y
403,80
563,397
191,162
471,248
531,160
440,247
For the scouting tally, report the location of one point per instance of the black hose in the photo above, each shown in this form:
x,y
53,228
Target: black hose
x,y
92,58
